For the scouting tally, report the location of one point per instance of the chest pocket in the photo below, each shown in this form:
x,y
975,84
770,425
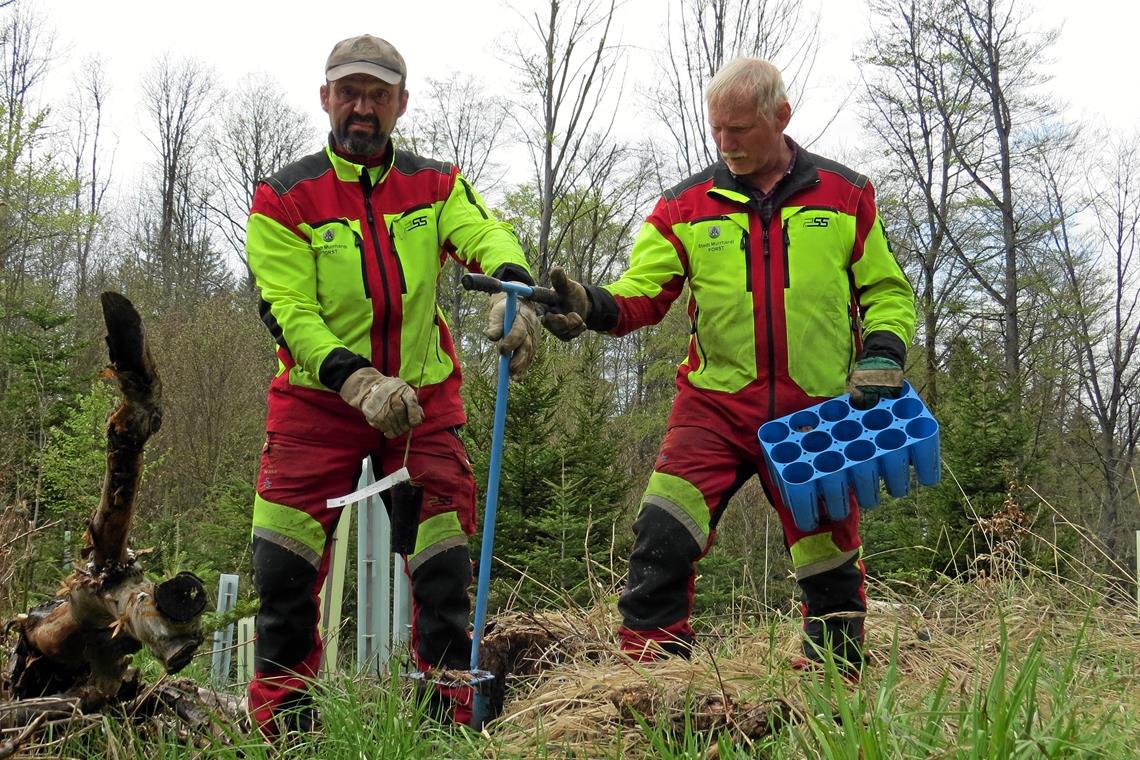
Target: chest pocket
x,y
719,255
815,238
338,249
723,326
414,236
818,242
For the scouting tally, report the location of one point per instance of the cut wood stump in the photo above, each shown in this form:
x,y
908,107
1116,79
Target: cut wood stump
x,y
72,655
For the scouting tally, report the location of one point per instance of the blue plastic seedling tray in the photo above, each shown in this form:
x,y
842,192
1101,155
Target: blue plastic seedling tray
x,y
817,454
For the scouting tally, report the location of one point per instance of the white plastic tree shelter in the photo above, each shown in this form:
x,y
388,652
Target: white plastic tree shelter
x,y
245,650
224,637
383,595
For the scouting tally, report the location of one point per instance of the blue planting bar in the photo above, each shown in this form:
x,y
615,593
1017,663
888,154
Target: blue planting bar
x,y
481,679
820,455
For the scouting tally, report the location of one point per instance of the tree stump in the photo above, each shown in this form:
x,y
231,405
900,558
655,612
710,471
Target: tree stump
x,y
72,654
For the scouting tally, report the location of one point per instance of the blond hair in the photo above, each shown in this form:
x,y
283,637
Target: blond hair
x,y
748,80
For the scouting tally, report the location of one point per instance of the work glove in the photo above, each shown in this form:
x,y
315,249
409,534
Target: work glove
x,y
521,342
874,378
387,403
567,320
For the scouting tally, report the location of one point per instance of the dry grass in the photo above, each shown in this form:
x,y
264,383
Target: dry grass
x,y
576,704
573,694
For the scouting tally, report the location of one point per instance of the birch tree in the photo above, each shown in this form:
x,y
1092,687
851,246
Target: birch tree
x,y
177,97
89,164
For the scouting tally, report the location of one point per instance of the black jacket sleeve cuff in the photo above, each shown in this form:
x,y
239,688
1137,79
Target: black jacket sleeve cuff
x,y
603,309
884,344
338,365
513,273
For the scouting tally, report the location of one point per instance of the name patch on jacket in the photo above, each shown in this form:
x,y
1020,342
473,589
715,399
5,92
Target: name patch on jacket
x,y
335,236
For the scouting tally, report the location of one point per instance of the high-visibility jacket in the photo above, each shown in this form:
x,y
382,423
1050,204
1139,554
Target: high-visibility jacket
x,y
784,293
347,259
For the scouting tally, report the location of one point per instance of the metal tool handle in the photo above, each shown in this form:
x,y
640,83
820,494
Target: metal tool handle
x,y
488,284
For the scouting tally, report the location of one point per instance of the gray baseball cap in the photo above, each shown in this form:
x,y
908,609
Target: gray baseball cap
x,y
366,55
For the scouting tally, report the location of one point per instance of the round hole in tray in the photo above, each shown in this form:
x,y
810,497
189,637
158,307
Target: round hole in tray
x,y
785,452
797,473
816,441
921,427
829,461
774,432
878,419
846,430
907,408
834,410
804,422
859,451
889,440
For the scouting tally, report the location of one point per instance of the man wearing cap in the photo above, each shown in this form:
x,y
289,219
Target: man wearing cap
x,y
346,247
794,294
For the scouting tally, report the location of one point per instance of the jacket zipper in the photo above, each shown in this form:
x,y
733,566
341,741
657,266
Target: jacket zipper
x,y
747,249
363,266
399,263
366,187
768,316
438,330
697,338
787,246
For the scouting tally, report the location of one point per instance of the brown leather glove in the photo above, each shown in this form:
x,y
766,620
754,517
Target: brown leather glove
x,y
522,341
387,403
567,320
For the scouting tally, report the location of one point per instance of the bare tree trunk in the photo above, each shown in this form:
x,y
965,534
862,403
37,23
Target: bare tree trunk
x,y
570,79
985,35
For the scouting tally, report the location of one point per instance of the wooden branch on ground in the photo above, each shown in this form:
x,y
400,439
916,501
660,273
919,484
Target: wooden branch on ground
x,y
12,746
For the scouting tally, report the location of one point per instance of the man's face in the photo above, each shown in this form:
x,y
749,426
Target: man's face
x,y
749,143
362,112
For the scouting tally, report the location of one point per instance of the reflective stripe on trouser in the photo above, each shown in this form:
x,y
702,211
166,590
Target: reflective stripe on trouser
x,y
291,529
698,467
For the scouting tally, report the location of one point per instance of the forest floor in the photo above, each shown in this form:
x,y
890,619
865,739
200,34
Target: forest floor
x,y
1011,666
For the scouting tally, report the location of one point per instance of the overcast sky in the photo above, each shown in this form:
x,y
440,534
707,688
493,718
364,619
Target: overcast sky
x,y
1095,56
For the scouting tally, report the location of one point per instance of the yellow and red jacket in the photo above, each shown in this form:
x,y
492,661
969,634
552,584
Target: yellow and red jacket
x,y
347,259
784,293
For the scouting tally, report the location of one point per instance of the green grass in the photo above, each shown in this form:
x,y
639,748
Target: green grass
x,y
1006,672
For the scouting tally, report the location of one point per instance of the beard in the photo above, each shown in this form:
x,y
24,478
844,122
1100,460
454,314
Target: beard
x,y
358,143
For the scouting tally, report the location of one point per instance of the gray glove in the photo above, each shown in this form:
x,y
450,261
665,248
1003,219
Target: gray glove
x,y
872,379
567,320
521,342
387,403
